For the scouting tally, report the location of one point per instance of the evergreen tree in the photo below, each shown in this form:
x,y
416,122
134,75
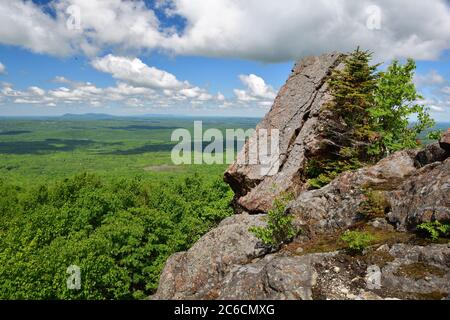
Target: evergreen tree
x,y
353,97
373,111
350,136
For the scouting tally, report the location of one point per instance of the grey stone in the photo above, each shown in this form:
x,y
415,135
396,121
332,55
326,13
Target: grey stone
x,y
299,115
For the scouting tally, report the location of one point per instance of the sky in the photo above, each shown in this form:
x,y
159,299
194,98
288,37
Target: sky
x,y
201,57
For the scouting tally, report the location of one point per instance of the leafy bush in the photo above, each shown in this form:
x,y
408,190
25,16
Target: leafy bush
x,y
120,233
357,241
279,227
395,102
435,229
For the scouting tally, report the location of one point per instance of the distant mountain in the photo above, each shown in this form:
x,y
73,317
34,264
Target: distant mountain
x,y
92,116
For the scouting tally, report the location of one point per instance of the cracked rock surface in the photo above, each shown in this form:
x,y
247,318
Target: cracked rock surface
x,y
299,114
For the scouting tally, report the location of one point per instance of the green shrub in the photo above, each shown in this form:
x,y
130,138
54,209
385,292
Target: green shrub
x,y
279,227
357,241
435,229
375,204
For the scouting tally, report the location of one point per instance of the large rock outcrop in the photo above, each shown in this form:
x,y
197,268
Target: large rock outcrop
x,y
195,274
408,187
299,114
230,263
389,199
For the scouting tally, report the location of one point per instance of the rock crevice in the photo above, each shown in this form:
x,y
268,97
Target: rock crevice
x,y
300,115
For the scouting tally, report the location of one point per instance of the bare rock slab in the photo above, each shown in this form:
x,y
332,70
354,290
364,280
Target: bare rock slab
x,y
299,114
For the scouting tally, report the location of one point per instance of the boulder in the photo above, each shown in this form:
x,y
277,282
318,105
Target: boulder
x,y
196,273
230,263
405,271
299,114
431,153
445,141
424,197
338,205
407,194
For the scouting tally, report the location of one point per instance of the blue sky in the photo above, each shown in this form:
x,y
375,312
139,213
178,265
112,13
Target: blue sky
x,y
198,57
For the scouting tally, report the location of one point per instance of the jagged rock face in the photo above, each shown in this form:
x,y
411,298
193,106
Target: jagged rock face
x,y
195,274
299,116
402,271
445,141
229,263
336,206
422,198
414,184
407,272
411,187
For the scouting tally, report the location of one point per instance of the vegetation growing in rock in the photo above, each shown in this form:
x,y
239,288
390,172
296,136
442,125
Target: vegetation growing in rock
x,y
375,204
435,229
357,241
419,270
280,228
373,111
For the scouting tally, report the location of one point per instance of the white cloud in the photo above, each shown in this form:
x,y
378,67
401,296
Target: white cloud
x,y
122,94
257,93
265,103
37,91
25,101
220,97
257,87
263,30
2,68
135,72
242,95
190,92
270,30
430,79
437,92
61,79
24,24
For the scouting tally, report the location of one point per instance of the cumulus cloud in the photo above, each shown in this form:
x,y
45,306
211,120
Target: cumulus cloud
x,y
24,24
37,91
123,24
2,68
122,94
282,30
257,87
140,76
263,30
61,79
220,97
136,72
257,92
